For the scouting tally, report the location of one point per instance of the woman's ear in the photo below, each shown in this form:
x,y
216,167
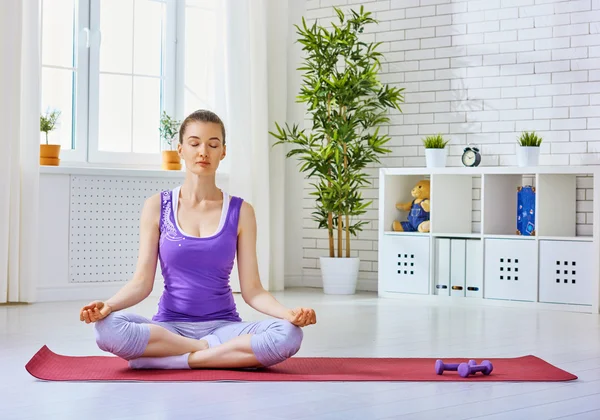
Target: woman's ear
x,y
224,152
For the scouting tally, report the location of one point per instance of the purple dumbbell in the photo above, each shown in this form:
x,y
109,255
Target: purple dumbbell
x,y
465,369
440,366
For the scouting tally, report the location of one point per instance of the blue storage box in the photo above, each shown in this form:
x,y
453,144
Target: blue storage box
x,y
526,211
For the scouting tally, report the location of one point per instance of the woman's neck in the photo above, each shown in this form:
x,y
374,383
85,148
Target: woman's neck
x,y
196,189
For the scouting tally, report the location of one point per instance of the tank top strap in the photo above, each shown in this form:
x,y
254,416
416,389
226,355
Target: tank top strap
x,y
165,210
235,206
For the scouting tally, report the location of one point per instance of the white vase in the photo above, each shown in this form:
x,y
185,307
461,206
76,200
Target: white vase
x,y
339,275
436,158
528,156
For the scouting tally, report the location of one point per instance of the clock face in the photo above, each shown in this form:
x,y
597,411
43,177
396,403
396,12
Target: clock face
x,y
469,158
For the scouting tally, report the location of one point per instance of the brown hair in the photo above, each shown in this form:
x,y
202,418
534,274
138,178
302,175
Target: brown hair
x,y
201,115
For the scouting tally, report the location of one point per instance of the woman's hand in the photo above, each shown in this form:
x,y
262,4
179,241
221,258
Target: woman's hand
x,y
302,317
95,311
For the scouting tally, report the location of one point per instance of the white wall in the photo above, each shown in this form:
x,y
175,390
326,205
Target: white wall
x,y
479,71
293,178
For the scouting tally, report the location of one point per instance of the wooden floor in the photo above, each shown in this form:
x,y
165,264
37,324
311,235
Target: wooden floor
x,y
360,326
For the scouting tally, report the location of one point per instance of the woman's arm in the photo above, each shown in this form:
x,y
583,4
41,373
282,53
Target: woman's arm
x,y
253,292
142,282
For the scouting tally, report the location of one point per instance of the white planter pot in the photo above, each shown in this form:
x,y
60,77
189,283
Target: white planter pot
x,y
436,158
528,156
339,275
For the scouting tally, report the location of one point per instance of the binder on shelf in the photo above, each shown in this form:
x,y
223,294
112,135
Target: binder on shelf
x,y
457,267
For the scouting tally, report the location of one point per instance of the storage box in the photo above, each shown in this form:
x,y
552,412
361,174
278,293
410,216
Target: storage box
x,y
526,211
510,269
566,272
404,263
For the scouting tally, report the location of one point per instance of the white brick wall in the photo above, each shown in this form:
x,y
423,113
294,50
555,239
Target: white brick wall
x,y
480,71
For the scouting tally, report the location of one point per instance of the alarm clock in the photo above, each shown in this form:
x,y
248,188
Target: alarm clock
x,y
471,156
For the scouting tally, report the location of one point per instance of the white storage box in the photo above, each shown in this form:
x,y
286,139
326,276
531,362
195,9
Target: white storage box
x,y
566,272
405,263
510,269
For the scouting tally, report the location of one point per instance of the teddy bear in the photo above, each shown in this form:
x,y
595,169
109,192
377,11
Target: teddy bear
x,y
418,216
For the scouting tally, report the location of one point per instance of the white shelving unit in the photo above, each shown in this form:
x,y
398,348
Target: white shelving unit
x,y
485,260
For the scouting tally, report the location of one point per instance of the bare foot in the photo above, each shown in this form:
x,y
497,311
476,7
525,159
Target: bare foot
x,y
202,345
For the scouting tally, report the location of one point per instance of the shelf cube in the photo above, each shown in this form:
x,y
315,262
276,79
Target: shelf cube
x,y
566,272
510,269
405,263
558,205
501,192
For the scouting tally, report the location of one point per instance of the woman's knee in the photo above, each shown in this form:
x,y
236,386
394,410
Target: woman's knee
x,y
107,329
279,342
121,336
291,340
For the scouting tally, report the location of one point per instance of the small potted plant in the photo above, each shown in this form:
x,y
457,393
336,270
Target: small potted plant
x,y
435,151
169,128
49,153
528,151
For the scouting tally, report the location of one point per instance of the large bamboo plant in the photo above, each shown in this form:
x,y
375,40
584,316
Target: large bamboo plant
x,y
347,105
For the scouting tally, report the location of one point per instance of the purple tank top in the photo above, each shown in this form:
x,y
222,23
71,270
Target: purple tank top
x,y
196,270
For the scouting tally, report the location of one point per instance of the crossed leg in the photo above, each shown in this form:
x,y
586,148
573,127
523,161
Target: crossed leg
x,y
149,344
130,336
250,344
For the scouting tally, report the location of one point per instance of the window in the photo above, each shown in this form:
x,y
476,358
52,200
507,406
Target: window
x,y
128,79
111,67
64,68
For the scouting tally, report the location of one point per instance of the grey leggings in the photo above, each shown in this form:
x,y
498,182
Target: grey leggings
x,y
126,335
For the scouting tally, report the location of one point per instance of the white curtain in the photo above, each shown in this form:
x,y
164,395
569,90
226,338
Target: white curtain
x,y
251,94
19,157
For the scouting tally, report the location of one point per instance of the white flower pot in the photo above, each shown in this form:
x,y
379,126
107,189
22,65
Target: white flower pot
x,y
436,158
339,275
528,156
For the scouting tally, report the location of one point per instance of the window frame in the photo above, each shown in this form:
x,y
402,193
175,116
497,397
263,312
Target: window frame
x,y
94,155
81,38
87,37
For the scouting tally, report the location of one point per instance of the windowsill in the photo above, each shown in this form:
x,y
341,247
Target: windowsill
x,y
82,169
105,170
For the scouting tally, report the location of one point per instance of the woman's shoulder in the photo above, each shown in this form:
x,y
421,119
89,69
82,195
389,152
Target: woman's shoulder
x,y
152,204
247,217
151,210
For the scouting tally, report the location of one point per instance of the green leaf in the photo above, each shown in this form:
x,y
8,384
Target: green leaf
x,y
346,105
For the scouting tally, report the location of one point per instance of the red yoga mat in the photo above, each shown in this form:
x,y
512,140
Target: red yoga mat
x,y
50,366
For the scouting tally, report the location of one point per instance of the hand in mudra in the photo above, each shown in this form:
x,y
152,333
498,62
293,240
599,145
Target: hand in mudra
x,y
95,311
302,317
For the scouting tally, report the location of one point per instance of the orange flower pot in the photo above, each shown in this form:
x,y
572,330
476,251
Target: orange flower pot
x,y
171,160
49,154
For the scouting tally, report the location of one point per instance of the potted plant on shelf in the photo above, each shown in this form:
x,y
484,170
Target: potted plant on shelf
x,y
528,150
347,105
435,151
49,153
169,128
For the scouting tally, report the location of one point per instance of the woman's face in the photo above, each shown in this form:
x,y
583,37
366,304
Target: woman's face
x,y
202,149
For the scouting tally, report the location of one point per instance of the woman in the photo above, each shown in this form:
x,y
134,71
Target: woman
x,y
196,230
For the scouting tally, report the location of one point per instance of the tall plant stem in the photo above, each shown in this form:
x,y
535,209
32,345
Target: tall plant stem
x,y
329,214
347,176
340,227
